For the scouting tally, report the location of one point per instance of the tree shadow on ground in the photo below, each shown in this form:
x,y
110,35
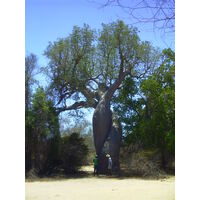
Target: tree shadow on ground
x,y
83,173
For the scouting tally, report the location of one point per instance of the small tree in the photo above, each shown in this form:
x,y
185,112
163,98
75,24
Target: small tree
x,y
30,69
42,132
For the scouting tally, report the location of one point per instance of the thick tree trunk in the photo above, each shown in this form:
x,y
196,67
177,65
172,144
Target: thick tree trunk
x,y
102,121
106,128
114,140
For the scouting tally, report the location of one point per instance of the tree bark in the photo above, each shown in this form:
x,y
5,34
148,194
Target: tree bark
x,y
114,140
102,120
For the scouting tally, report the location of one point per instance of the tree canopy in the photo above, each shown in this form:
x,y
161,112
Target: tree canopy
x,y
88,62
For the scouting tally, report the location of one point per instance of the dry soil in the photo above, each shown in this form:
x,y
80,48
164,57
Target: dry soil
x,y
101,188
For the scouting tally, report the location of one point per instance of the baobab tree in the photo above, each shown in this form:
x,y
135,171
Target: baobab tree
x,y
88,67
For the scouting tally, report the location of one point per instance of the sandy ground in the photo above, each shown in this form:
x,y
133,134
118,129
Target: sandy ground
x,y
101,188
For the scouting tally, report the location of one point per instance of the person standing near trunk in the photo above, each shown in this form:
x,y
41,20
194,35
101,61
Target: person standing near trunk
x,y
110,165
95,161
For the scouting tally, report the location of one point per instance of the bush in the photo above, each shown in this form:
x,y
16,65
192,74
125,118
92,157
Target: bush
x,y
145,163
73,152
91,149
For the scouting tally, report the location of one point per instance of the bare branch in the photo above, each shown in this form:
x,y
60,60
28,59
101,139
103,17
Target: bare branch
x,y
161,14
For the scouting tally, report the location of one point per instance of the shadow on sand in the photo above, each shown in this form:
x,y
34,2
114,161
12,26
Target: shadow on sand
x,y
89,174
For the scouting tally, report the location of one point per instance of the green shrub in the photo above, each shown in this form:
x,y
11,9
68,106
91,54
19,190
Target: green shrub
x,y
73,152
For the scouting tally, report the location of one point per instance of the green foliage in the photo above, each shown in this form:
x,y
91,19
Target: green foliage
x,y
84,128
71,62
85,60
147,109
30,71
159,91
89,141
41,132
46,151
116,40
73,152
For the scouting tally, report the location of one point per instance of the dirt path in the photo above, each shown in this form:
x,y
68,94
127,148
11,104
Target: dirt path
x,y
102,188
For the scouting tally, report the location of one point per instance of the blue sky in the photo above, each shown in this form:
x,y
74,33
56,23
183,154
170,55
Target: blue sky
x,y
47,20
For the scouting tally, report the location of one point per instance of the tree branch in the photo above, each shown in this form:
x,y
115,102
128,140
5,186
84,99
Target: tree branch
x,y
75,106
161,14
